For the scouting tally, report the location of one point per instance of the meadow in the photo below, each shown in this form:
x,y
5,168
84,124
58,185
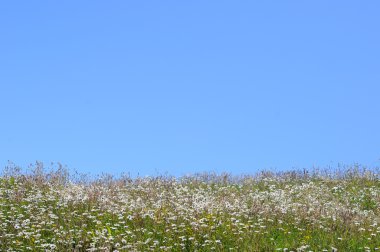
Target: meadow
x,y
317,210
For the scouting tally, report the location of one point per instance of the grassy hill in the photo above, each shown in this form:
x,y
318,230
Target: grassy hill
x,y
292,211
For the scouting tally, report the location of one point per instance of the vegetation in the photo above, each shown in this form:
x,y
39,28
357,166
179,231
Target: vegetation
x,y
291,211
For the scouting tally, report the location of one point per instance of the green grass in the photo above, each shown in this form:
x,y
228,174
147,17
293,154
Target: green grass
x,y
293,211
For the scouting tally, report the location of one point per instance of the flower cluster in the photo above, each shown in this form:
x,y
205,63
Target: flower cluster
x,y
207,212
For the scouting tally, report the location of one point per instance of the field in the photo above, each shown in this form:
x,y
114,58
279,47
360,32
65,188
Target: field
x,y
330,210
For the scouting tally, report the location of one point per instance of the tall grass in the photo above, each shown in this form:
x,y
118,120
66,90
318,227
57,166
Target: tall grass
x,y
318,210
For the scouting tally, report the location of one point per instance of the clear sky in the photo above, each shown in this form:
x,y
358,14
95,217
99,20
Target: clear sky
x,y
149,87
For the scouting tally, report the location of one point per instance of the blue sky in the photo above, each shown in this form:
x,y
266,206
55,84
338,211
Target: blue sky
x,y
150,87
